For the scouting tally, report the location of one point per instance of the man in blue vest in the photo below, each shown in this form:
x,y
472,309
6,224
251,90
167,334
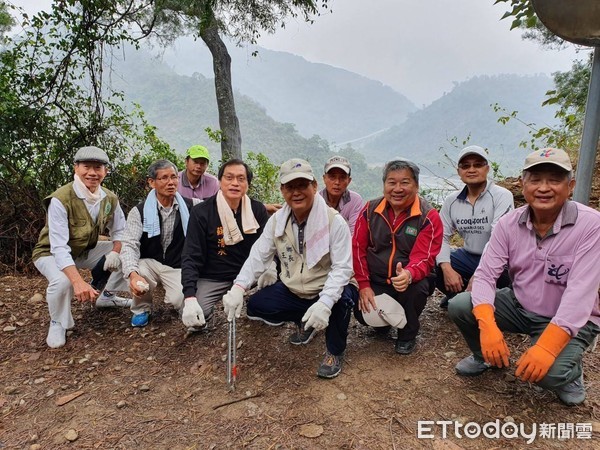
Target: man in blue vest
x,y
153,242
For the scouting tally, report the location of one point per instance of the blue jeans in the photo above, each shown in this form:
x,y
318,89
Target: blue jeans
x,y
276,303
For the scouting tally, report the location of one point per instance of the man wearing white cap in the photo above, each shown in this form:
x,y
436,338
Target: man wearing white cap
x,y
77,213
312,242
337,177
551,247
471,212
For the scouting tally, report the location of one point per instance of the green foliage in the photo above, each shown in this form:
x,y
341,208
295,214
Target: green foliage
x,y
265,184
214,135
521,12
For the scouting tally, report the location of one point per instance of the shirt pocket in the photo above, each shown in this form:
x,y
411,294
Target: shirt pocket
x,y
558,268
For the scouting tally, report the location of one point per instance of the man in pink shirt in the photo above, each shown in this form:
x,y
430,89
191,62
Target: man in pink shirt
x,y
195,181
551,247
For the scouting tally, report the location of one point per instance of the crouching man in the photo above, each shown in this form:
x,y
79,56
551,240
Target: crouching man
x,y
153,242
312,242
551,247
77,213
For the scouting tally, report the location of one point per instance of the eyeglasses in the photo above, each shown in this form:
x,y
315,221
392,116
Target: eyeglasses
x,y
296,186
166,178
476,165
230,178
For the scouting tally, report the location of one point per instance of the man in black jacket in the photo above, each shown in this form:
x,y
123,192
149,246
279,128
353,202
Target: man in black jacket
x,y
221,232
153,242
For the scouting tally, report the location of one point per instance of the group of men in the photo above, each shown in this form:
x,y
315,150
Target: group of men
x,y
325,255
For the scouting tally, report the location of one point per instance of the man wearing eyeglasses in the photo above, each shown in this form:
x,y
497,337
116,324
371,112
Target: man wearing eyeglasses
x,y
153,242
314,290
472,213
221,233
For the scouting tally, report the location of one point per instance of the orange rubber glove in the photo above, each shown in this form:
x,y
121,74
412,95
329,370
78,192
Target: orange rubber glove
x,y
493,345
534,364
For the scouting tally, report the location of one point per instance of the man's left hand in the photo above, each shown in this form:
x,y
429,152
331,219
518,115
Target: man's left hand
x,y
317,316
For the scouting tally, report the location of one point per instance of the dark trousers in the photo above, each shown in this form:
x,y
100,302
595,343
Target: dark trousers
x,y
511,317
413,300
465,264
276,303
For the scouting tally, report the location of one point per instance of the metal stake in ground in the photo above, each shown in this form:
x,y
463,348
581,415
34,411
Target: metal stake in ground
x,y
232,368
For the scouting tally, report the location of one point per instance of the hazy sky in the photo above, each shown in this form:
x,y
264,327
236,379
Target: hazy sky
x,y
418,47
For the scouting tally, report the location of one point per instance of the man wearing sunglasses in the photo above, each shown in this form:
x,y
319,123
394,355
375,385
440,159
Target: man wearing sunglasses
x,y
472,213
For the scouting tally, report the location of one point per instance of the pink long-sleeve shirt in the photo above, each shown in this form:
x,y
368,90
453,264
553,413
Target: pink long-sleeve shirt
x,y
557,276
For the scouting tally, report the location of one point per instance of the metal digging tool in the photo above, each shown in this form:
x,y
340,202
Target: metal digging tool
x,y
232,369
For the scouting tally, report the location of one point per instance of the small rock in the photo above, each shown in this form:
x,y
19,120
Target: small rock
x,y
20,323
144,388
248,393
341,396
46,368
33,438
9,328
35,447
71,435
11,390
64,387
22,402
510,377
102,358
150,358
36,298
128,360
121,404
163,334
509,419
239,345
1,303
311,430
224,358
450,354
39,380
36,315
118,368
83,360
406,378
50,393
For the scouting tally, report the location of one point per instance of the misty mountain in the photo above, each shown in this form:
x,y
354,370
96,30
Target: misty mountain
x,y
466,113
334,103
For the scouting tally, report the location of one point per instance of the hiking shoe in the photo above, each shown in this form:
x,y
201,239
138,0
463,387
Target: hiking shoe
x,y
141,319
57,335
268,322
331,366
444,302
302,336
110,300
405,347
573,393
471,366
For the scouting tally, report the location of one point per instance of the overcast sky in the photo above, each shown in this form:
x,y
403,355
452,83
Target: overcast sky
x,y
418,47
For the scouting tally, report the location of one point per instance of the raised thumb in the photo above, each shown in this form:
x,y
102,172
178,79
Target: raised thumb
x,y
398,268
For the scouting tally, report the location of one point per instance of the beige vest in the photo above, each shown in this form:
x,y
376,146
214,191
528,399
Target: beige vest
x,y
299,279
83,232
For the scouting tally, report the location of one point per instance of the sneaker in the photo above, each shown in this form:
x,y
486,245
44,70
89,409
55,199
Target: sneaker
x,y
110,300
573,393
331,366
141,319
444,302
268,322
471,366
57,335
405,347
302,336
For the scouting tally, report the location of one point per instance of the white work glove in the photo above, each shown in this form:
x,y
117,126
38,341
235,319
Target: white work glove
x,y
143,287
192,314
233,301
112,262
317,316
268,277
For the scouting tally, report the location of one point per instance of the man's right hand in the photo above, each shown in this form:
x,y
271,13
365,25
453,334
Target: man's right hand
x,y
233,301
493,346
84,292
137,284
192,314
452,279
366,300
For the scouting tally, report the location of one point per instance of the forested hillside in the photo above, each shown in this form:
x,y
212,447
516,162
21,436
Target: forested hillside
x,y
467,113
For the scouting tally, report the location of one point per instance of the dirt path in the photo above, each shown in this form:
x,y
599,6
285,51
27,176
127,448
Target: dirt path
x,y
156,388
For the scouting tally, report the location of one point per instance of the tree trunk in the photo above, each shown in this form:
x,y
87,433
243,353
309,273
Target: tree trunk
x,y
231,144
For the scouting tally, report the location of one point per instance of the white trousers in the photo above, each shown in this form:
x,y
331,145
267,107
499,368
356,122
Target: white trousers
x,y
156,273
60,290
